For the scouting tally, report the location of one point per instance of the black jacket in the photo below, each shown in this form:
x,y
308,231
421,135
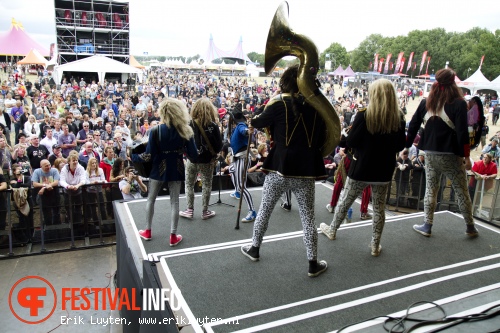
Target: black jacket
x,y
213,134
437,135
374,154
296,150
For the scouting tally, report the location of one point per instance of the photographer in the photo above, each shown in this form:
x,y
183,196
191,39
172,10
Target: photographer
x,y
132,185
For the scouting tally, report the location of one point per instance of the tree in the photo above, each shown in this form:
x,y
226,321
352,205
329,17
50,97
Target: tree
x,y
365,52
338,56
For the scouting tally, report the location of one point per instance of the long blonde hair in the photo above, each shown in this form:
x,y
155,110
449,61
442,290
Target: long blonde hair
x,y
204,111
89,168
382,115
174,113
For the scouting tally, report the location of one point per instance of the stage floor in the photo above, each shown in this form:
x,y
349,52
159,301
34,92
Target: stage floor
x,y
275,294
221,228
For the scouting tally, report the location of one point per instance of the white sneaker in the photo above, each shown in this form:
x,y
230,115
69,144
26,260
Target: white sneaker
x,y
328,231
329,208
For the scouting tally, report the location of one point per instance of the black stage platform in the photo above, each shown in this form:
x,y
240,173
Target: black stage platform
x,y
217,283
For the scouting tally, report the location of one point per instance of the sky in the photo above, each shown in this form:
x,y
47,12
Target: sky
x,y
174,28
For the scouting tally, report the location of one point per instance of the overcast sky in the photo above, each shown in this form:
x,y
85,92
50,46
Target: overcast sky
x,y
167,27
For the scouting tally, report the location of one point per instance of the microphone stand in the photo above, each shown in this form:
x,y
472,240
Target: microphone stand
x,y
219,201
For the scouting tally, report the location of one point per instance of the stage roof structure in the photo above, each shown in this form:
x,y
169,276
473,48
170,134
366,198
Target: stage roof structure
x,y
16,42
213,52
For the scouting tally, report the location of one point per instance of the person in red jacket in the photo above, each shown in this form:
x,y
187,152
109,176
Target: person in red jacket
x,y
486,170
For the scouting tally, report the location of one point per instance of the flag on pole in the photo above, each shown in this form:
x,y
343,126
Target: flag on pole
x,y
482,59
375,63
409,62
370,66
427,68
398,62
386,67
402,65
381,62
422,62
414,65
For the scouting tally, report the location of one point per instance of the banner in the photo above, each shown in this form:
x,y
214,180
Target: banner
x,y
375,63
328,65
370,66
386,68
398,62
52,47
414,65
409,62
380,65
427,68
422,62
482,59
391,65
402,65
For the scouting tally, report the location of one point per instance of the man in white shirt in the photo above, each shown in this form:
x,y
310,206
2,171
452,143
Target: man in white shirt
x,y
49,139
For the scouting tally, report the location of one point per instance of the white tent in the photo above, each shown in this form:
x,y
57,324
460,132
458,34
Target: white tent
x,y
96,64
475,82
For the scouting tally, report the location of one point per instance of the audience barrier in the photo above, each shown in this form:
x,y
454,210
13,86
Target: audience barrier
x,y
86,218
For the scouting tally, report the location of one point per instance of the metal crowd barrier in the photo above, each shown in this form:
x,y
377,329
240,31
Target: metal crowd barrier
x,y
87,216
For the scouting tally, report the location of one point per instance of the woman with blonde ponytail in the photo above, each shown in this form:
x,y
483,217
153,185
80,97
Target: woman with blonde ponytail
x,y
166,146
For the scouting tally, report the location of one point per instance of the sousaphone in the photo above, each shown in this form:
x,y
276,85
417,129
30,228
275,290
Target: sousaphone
x,y
281,42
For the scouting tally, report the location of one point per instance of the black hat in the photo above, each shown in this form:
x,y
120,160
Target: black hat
x,y
238,116
56,146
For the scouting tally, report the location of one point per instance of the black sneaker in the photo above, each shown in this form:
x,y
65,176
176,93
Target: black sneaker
x,y
316,268
250,252
286,207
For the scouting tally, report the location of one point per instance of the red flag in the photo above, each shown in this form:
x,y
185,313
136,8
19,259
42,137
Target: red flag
x,y
427,68
391,65
414,65
422,62
482,59
370,65
409,62
398,62
402,65
375,64
380,65
386,67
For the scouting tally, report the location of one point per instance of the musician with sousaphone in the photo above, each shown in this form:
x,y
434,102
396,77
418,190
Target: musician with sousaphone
x,y
304,128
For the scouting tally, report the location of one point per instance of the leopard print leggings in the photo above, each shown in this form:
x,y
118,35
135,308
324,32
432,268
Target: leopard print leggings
x,y
206,170
453,168
352,189
304,191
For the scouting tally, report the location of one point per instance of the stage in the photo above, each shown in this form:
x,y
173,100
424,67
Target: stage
x,y
223,291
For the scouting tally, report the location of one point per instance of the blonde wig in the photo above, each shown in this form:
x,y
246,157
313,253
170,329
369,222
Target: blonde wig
x,y
204,112
174,113
382,115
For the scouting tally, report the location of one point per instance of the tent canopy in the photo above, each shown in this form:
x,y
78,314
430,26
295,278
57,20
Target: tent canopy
x,y
135,63
97,63
347,72
337,71
16,42
477,81
33,58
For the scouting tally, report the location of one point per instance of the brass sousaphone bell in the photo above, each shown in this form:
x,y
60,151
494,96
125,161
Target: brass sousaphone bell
x,y
281,42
